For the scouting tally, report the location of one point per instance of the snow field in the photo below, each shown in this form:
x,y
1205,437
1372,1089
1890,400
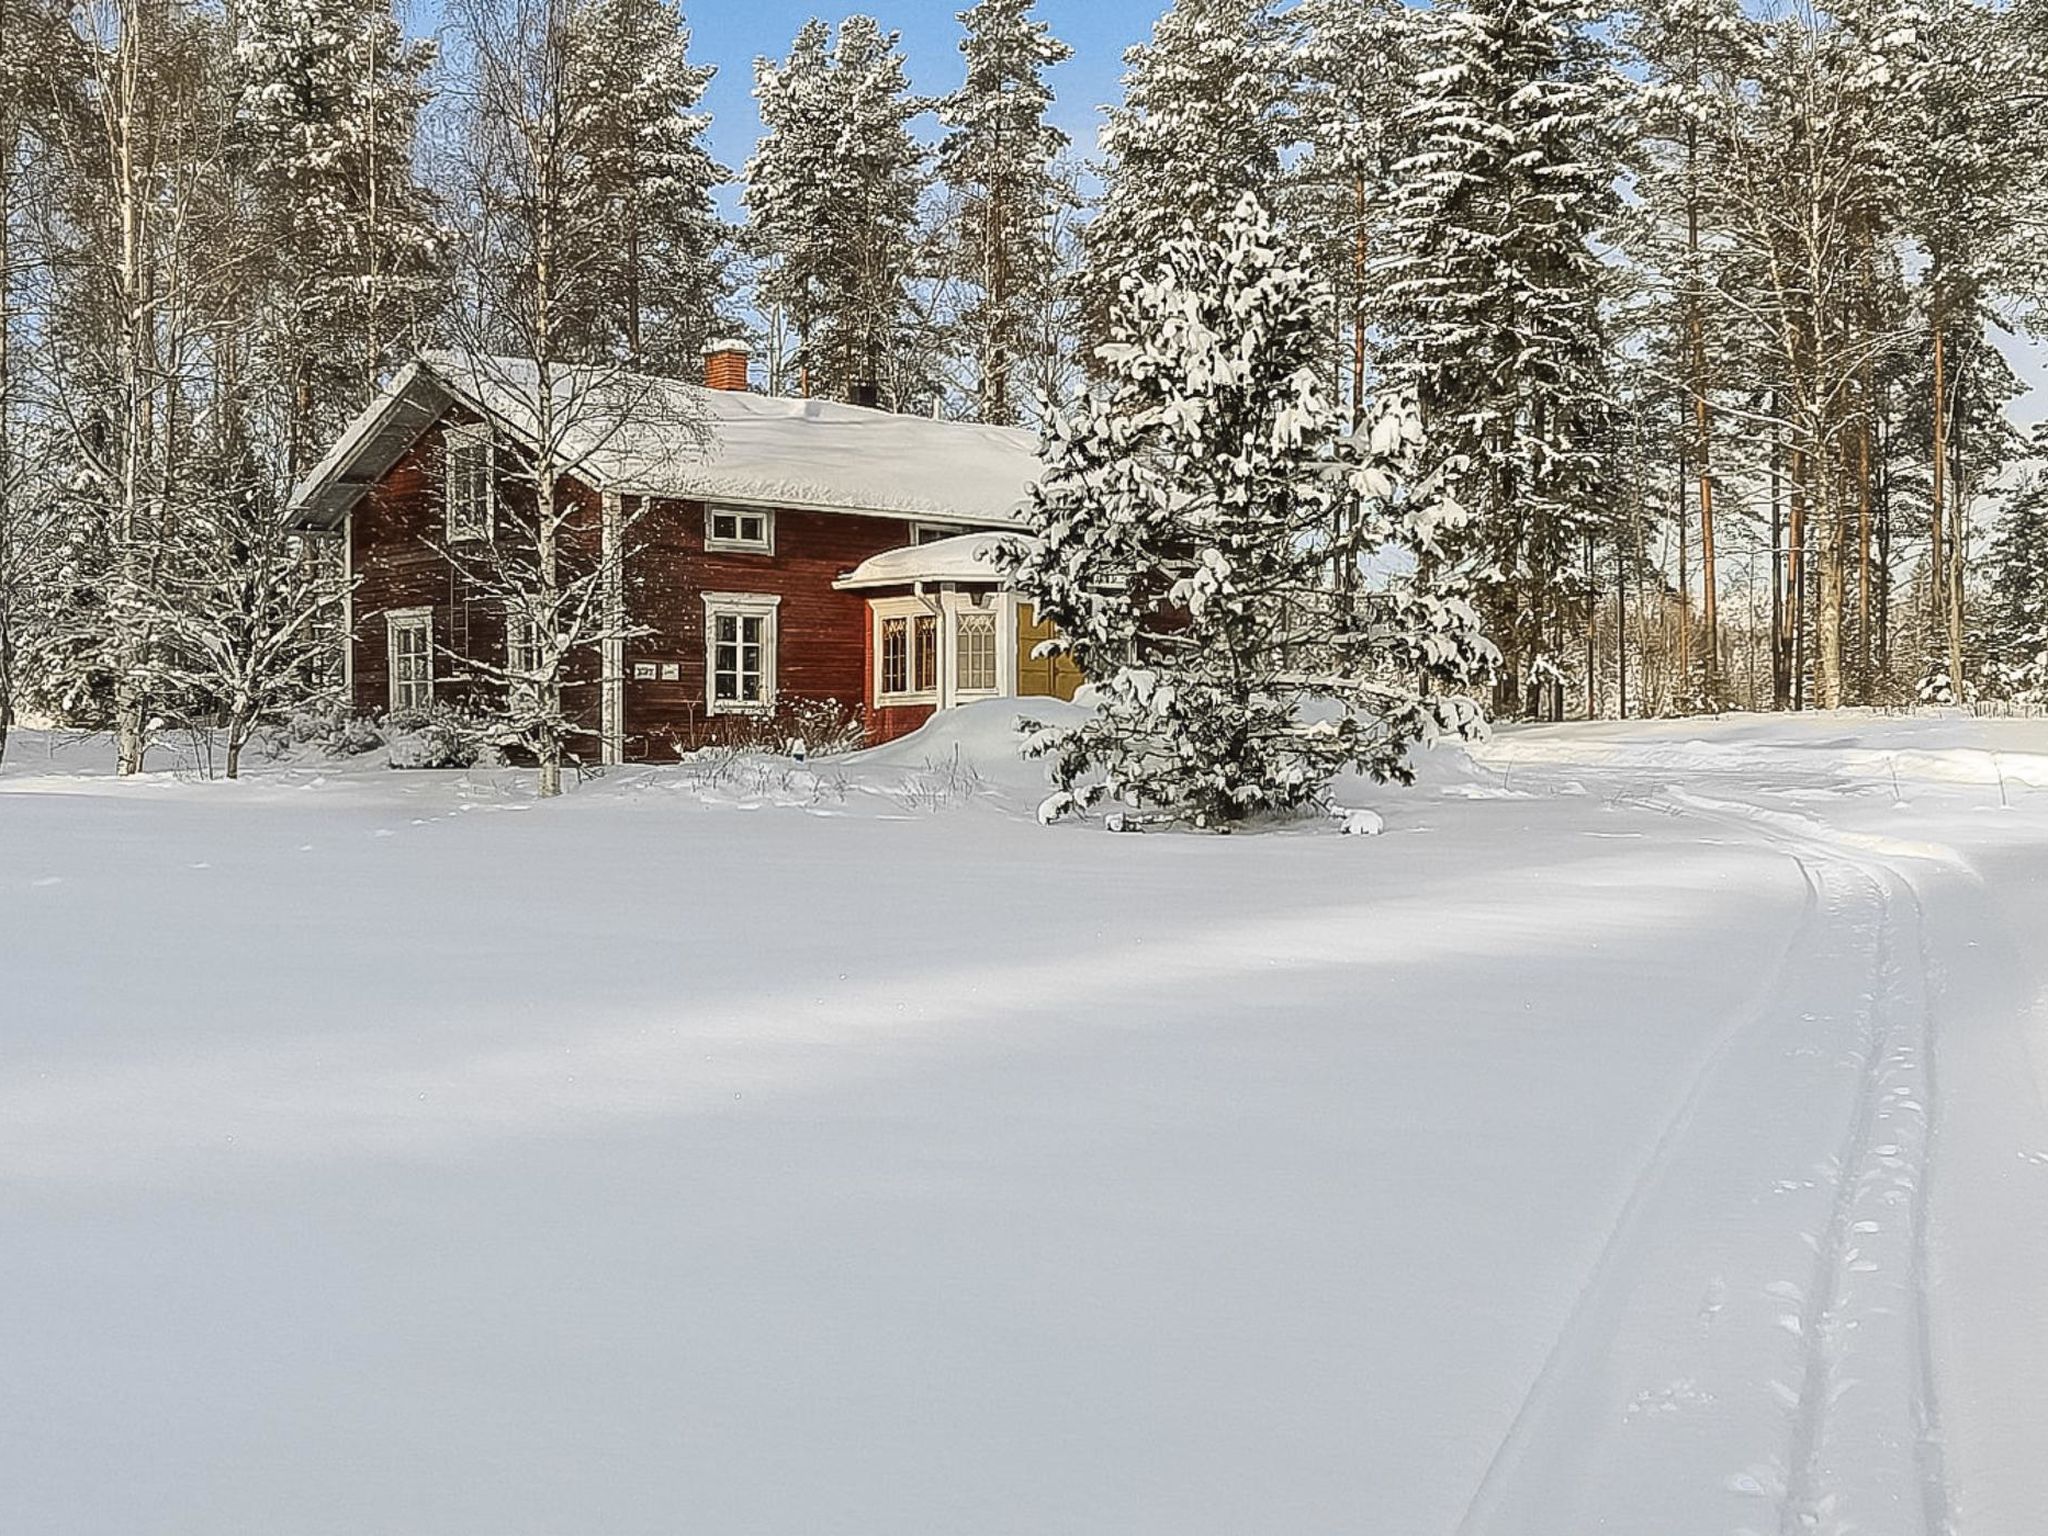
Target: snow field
x,y
742,1147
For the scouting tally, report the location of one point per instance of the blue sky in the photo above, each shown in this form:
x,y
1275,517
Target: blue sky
x,y
733,33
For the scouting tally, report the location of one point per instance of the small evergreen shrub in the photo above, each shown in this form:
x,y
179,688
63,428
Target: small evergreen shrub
x,y
442,736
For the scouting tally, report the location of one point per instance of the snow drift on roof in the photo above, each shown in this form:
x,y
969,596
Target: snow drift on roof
x,y
638,433
968,557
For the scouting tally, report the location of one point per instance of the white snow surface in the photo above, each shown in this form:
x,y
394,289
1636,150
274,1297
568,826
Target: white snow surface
x,y
966,557
667,437
1644,1133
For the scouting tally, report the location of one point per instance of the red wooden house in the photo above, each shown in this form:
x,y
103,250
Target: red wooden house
x,y
760,549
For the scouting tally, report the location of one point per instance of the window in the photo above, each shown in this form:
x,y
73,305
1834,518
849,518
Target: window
x,y
930,533
974,669
909,654
522,644
739,528
896,655
409,645
739,652
467,465
924,645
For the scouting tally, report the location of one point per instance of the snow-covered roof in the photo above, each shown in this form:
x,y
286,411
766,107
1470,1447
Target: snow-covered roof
x,y
967,557
645,435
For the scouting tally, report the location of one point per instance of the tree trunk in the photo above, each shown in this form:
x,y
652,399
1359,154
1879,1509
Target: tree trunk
x,y
1592,626
1936,561
1684,594
1958,533
1620,631
1358,263
1781,665
1827,628
1703,447
1863,678
1797,563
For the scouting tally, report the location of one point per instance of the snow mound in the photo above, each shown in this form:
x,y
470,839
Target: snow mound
x,y
984,738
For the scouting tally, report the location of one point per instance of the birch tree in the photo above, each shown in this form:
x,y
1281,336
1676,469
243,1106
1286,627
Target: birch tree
x,y
534,272
138,141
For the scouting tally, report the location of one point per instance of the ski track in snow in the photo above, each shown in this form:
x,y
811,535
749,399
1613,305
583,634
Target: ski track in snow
x,y
1486,1503
1886,1160
1862,1322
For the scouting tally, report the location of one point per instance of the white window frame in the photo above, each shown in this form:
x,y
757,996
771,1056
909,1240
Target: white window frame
x,y
909,609
455,439
522,642
765,545
396,621
743,605
992,613
931,533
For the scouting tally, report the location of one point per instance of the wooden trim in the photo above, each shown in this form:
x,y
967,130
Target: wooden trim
x,y
396,619
612,648
717,546
751,605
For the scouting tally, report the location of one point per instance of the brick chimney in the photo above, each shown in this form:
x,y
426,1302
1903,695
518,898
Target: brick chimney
x,y
725,365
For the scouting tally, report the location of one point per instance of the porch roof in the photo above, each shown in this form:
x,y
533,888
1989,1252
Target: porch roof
x,y
966,559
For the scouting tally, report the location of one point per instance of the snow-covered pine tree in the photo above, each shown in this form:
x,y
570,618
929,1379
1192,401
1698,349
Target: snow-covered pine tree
x,y
790,193
832,196
1354,79
1184,551
635,110
884,177
998,159
329,95
1809,179
1495,301
1690,55
1202,123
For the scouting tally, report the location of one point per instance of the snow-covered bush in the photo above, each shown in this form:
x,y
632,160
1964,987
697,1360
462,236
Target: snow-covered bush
x,y
442,736
798,727
329,725
1937,687
1205,522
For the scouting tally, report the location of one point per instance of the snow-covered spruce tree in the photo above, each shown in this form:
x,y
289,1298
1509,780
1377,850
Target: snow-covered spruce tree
x,y
349,253
1494,307
1185,551
832,195
1202,123
1969,165
2019,588
999,160
635,98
